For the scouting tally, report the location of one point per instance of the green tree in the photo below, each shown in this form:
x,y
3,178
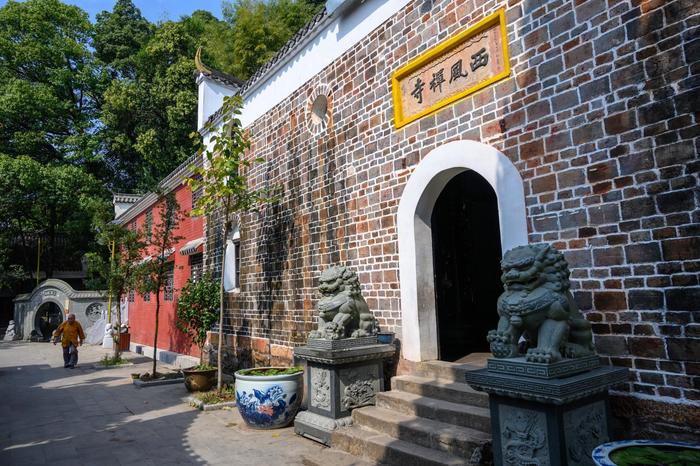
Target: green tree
x,y
57,203
148,114
155,274
225,186
119,268
119,37
198,310
259,28
49,87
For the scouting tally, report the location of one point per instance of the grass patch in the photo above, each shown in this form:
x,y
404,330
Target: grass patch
x,y
109,361
227,393
273,371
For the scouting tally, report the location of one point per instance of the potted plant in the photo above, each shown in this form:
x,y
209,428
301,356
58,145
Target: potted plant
x,y
197,310
637,452
269,397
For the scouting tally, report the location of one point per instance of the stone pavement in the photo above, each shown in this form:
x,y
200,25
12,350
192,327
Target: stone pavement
x,y
85,416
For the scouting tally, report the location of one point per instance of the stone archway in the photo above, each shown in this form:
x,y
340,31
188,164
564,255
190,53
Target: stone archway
x,y
80,302
418,308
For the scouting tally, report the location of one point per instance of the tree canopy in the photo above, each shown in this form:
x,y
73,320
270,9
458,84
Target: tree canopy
x,y
86,108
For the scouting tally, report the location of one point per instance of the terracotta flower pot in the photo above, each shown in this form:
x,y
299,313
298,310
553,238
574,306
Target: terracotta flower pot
x,y
268,401
198,380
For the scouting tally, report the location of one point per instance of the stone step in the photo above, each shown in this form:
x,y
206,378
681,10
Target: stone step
x,y
474,417
444,370
441,389
448,438
387,450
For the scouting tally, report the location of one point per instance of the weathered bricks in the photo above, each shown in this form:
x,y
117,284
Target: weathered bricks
x,y
599,116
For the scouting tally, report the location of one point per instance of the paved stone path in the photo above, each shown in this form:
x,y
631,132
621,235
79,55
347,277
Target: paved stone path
x,y
85,416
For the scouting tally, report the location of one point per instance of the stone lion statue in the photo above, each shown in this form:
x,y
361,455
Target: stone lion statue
x,y
538,305
342,311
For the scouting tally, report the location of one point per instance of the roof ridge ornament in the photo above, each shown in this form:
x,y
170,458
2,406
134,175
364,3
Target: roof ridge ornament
x,y
201,67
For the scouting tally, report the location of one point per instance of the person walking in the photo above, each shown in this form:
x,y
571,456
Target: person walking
x,y
73,336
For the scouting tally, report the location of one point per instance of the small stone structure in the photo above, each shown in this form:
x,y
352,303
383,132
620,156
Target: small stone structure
x,y
88,306
549,406
344,360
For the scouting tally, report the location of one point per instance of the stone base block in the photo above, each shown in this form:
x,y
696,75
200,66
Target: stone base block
x,y
318,428
528,432
336,382
547,422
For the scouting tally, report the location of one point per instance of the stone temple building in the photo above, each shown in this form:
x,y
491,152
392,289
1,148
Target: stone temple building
x,y
417,141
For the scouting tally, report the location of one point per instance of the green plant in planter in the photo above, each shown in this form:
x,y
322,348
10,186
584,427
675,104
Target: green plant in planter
x,y
272,371
635,456
197,311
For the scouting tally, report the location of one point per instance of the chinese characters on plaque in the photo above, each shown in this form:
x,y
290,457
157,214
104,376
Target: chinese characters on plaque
x,y
449,72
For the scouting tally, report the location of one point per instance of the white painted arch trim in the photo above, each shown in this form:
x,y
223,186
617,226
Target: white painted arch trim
x,y
419,323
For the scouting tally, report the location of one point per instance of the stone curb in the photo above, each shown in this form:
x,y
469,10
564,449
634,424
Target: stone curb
x,y
199,404
117,366
153,383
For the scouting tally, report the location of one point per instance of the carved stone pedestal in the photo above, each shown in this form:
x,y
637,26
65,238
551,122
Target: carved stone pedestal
x,y
341,375
540,419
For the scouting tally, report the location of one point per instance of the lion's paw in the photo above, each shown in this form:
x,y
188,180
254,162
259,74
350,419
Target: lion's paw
x,y
542,356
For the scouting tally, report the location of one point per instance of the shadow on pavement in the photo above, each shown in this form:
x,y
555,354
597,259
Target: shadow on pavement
x,y
59,416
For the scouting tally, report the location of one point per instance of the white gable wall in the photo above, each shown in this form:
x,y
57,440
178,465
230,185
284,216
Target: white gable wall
x,y
336,38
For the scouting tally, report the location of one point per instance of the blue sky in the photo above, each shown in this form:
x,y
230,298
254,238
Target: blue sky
x,y
153,10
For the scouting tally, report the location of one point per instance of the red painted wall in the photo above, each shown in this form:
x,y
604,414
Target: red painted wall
x,y
142,313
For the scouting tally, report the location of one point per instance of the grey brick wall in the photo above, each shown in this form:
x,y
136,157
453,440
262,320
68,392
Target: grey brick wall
x,y
599,116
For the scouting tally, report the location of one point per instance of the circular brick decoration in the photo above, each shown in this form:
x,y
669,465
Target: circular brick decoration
x,y
319,110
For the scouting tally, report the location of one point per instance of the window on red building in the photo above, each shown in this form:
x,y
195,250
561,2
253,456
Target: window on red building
x,y
196,267
148,226
169,288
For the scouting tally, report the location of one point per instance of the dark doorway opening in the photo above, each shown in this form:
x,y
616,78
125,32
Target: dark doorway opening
x,y
48,317
466,260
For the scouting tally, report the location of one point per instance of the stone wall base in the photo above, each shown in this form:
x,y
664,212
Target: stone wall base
x,y
635,418
240,352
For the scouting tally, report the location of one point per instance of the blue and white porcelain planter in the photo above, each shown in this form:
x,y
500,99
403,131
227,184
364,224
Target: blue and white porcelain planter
x,y
268,401
601,454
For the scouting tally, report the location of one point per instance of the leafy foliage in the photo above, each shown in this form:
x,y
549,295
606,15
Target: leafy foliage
x,y
198,309
113,360
260,28
48,83
153,274
273,371
121,272
224,184
85,108
667,456
57,203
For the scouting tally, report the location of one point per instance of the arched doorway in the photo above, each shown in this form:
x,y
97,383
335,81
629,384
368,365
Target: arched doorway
x,y
47,319
420,332
466,257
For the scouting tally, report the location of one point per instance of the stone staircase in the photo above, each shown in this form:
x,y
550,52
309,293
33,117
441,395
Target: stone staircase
x,y
430,417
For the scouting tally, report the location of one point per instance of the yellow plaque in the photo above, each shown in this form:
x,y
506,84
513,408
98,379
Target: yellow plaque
x,y
452,70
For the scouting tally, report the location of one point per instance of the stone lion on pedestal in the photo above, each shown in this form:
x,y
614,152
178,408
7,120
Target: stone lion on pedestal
x,y
342,311
538,305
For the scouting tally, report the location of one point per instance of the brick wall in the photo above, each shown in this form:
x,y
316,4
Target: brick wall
x,y
599,116
141,312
